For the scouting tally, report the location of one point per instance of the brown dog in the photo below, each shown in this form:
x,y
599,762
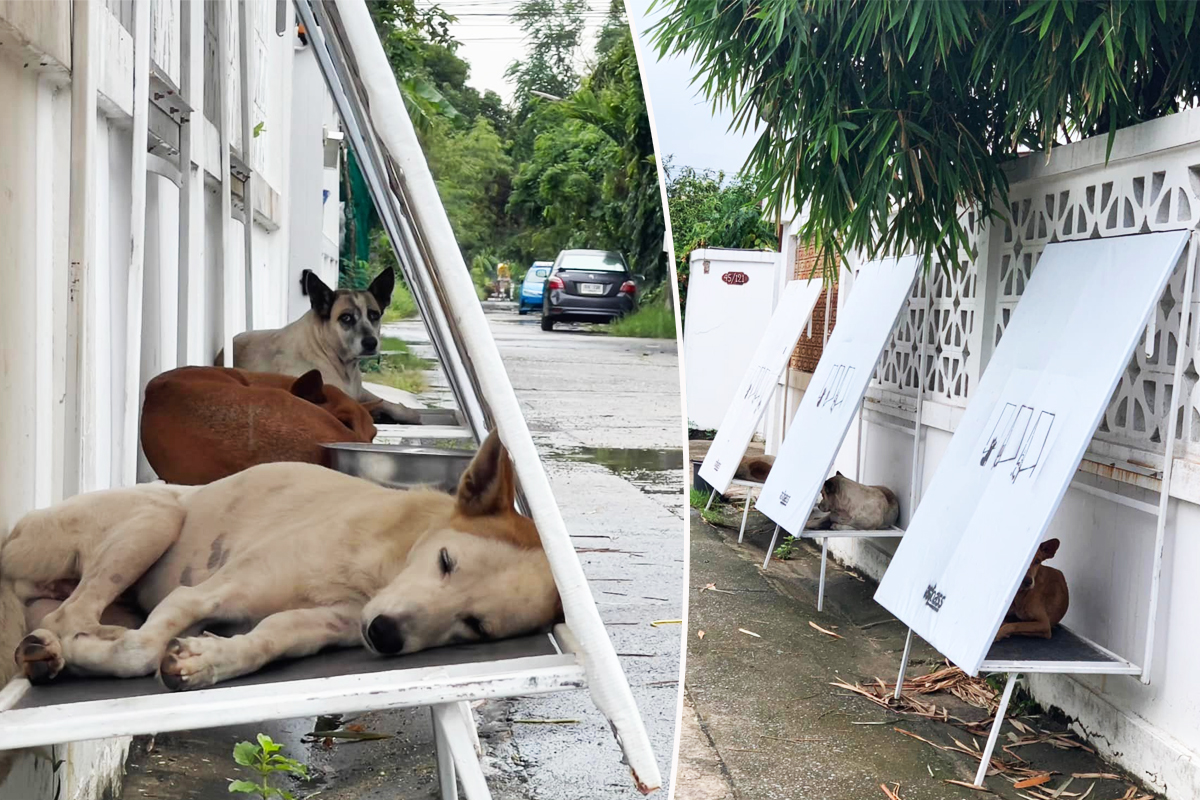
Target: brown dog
x,y
1042,600
201,424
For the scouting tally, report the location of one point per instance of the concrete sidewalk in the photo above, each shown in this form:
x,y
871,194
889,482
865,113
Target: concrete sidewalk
x,y
762,721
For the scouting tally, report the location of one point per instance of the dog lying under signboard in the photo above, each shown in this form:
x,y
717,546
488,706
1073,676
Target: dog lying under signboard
x,y
1041,602
846,505
201,424
299,556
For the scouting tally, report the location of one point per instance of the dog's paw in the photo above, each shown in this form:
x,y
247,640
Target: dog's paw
x,y
189,663
40,657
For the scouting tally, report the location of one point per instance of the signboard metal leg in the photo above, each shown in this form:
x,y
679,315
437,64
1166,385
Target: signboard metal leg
x,y
771,547
821,585
1164,497
455,740
447,780
745,513
996,725
903,665
708,505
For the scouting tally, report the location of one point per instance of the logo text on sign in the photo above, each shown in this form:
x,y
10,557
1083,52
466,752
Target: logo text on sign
x,y
735,278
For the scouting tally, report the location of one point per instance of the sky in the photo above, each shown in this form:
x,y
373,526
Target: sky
x,y
687,128
491,40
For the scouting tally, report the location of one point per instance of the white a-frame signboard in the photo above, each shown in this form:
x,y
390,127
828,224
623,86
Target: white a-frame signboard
x,y
833,394
758,384
1027,426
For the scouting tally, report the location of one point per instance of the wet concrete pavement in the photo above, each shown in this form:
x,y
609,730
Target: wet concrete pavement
x,y
761,720
605,414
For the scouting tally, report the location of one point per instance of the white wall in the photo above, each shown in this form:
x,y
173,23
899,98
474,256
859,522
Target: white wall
x,y
723,325
38,436
314,230
1150,184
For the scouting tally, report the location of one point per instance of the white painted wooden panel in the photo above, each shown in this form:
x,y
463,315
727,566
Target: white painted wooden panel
x,y
1027,425
847,363
758,384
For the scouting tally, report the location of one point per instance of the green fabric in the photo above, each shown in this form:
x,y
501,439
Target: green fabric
x,y
361,211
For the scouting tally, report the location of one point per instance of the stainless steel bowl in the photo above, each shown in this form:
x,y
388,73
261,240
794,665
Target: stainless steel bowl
x,y
401,466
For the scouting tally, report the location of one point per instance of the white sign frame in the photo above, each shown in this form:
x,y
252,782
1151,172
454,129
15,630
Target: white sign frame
x,y
1070,338
838,384
791,314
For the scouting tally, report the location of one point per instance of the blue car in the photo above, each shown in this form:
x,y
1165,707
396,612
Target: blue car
x,y
533,286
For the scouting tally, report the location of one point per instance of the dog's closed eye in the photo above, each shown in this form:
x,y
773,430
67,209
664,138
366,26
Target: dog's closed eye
x,y
446,562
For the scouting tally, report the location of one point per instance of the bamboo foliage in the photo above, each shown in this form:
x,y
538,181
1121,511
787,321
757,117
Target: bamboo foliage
x,y
886,119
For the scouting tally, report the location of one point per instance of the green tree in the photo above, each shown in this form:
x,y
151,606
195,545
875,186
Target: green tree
x,y
558,198
406,31
553,33
474,177
885,118
611,100
707,211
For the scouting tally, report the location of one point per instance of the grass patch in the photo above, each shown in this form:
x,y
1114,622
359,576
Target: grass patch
x,y
397,366
402,306
698,499
648,322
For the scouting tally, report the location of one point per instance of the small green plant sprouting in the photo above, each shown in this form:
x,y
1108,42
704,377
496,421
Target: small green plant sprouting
x,y
265,759
786,548
259,128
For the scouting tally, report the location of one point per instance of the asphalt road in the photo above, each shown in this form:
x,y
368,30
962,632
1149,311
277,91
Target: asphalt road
x,y
605,415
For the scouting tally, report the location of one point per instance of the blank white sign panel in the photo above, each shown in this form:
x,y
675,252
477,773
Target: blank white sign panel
x,y
1020,440
758,384
847,363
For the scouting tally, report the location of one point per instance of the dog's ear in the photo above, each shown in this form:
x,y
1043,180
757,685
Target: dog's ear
x,y
489,485
1046,550
381,288
830,486
319,295
310,386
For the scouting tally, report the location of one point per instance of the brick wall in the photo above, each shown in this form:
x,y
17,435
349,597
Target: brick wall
x,y
808,349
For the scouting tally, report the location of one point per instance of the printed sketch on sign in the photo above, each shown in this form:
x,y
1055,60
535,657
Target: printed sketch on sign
x,y
836,384
1019,444
1034,445
759,389
1011,419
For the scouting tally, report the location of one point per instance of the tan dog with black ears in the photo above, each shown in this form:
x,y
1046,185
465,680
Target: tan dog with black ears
x,y
1041,602
340,329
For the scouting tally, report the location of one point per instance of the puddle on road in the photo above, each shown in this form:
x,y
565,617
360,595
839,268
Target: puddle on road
x,y
652,471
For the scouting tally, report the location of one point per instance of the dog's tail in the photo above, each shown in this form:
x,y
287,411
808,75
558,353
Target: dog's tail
x,y
304,281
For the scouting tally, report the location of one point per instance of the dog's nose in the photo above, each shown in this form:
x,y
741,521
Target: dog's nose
x,y
370,343
384,635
